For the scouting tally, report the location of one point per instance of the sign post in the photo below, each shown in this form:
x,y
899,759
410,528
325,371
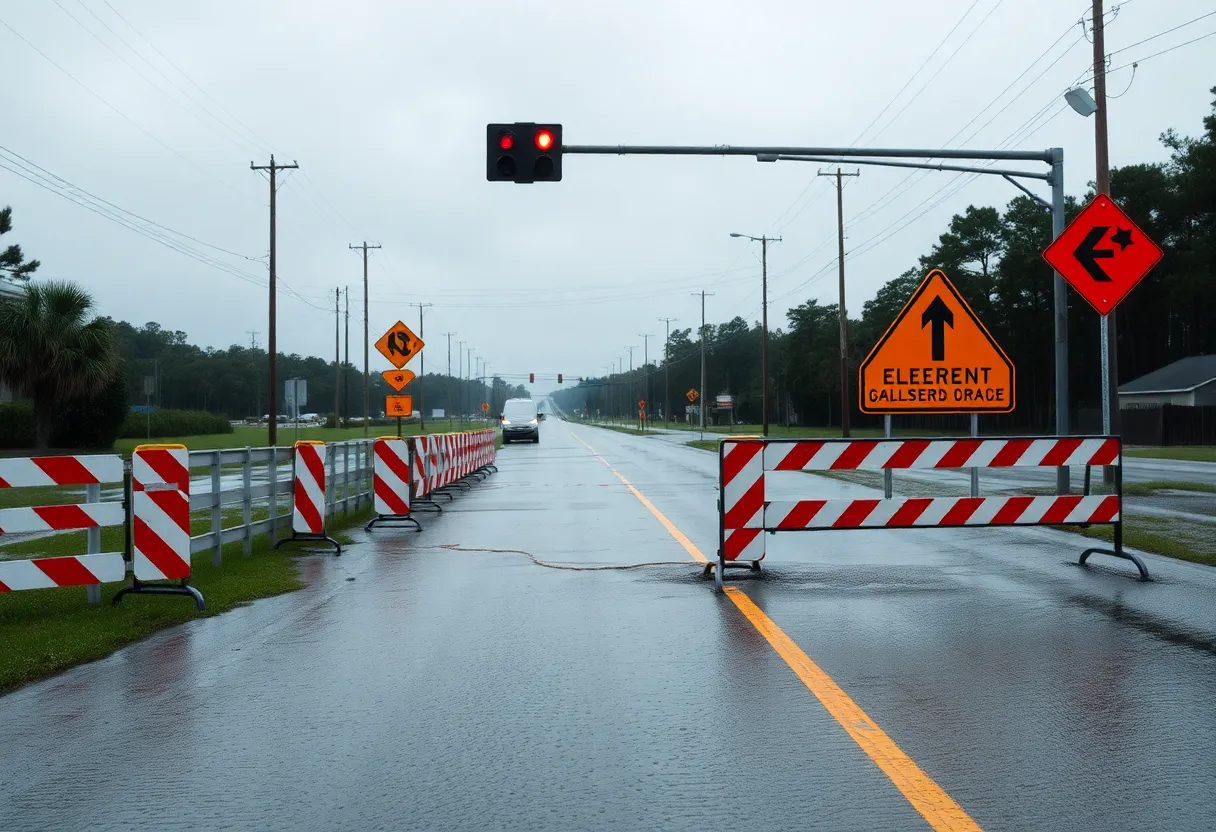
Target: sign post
x,y
1103,255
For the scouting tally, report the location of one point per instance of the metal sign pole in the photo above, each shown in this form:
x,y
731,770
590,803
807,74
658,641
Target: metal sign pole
x,y
975,472
887,472
1106,375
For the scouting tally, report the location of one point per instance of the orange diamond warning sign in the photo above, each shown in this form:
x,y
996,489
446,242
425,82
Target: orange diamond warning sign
x,y
399,345
937,358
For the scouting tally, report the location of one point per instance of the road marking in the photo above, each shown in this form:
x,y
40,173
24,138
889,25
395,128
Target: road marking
x,y
925,795
680,537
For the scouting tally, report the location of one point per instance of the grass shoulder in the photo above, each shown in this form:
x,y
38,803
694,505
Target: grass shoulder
x,y
47,631
1184,453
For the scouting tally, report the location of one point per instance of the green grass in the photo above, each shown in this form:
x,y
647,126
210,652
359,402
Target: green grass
x,y
47,631
1149,489
1186,453
632,430
1149,534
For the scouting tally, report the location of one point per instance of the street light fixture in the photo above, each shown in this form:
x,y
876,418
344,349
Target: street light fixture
x,y
764,241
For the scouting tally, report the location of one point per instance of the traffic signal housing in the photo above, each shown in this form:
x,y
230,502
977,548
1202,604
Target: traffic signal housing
x,y
559,378
531,378
524,152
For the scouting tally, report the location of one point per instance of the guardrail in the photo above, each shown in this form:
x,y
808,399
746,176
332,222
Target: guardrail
x,y
240,493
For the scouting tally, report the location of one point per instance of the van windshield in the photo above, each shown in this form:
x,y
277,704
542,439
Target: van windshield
x,y
519,411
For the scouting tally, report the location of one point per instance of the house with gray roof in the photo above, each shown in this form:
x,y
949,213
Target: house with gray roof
x,y
1188,382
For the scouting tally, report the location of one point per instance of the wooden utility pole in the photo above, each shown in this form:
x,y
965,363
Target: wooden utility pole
x,y
1102,180
448,385
704,394
842,311
346,367
645,336
421,368
272,343
337,355
667,372
366,342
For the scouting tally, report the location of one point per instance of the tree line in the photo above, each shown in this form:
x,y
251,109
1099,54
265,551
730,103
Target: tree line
x,y
233,381
994,257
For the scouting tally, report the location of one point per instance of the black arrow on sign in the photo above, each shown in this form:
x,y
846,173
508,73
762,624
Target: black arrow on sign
x,y
398,342
1088,256
940,316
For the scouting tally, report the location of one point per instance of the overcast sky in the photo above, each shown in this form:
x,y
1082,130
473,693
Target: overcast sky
x,y
159,108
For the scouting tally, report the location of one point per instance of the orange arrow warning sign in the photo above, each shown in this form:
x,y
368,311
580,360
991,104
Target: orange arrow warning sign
x,y
397,379
937,358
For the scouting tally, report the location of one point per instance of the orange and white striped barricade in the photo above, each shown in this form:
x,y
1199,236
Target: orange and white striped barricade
x,y
391,482
460,460
160,522
437,465
745,466
420,479
90,569
308,495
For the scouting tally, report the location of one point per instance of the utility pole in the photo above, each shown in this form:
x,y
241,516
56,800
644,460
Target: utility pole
x,y
367,402
272,342
449,382
337,355
667,372
1110,334
764,241
842,311
645,336
422,368
460,385
257,382
631,386
704,392
346,367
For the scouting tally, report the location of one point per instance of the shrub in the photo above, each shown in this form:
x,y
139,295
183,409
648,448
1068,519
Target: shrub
x,y
172,423
92,422
16,425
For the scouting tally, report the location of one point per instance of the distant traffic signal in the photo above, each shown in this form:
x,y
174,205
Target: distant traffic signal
x,y
523,152
531,378
559,378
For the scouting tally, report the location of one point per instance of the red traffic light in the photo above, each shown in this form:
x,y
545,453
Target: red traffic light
x,y
544,140
506,141
532,378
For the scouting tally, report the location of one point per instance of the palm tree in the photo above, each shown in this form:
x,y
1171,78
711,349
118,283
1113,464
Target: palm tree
x,y
52,349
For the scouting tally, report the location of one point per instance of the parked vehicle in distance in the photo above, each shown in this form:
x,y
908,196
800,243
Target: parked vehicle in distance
x,y
519,421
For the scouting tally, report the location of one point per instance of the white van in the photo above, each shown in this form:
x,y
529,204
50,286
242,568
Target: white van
x,y
519,421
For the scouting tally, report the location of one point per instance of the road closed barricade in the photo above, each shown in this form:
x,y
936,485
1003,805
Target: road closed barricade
x,y
391,476
87,569
748,466
308,495
160,522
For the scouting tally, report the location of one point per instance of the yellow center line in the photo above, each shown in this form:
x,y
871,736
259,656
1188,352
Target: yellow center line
x,y
925,795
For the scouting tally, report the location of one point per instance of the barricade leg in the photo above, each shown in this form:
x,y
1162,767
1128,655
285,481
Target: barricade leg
x,y
1118,550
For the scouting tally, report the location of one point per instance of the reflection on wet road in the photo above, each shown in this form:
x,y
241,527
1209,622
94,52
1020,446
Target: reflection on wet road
x,y
431,682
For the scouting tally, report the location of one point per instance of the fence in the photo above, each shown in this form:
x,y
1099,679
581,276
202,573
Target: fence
x,y
233,495
749,468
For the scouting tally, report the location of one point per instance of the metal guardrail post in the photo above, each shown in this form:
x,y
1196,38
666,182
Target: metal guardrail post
x,y
92,494
247,501
217,512
331,484
345,477
272,466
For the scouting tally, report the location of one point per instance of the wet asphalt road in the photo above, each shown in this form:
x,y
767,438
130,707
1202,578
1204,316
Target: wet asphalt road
x,y
417,686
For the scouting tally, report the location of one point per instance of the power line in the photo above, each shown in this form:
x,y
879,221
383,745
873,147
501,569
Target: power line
x,y
1162,34
119,112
